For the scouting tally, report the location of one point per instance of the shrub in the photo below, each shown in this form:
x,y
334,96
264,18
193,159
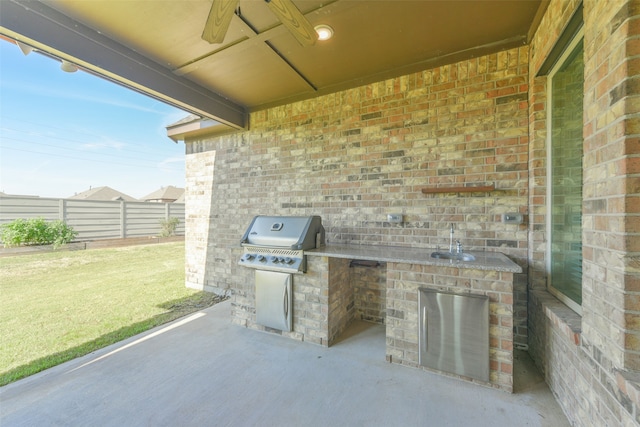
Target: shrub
x,y
36,231
61,233
168,226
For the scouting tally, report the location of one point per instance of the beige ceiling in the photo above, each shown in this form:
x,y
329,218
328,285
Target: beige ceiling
x,y
260,64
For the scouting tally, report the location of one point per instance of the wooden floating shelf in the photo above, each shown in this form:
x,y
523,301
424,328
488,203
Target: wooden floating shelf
x,y
478,189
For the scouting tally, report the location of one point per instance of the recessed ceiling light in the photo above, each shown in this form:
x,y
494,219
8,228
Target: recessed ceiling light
x,y
325,32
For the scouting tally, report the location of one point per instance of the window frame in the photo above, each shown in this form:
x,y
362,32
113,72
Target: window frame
x,y
578,37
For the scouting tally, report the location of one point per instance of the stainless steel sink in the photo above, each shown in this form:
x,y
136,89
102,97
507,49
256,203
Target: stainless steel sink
x,y
453,256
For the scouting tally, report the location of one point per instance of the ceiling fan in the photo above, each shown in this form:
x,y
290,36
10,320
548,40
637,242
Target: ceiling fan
x,y
222,12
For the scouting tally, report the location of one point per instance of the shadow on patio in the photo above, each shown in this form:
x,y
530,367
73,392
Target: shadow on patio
x,y
204,371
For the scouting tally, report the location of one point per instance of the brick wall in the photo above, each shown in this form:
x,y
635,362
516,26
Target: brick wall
x,y
369,284
341,298
199,170
402,312
590,361
611,180
355,156
319,316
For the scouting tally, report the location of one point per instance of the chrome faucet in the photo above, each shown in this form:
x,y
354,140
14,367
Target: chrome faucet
x,y
451,239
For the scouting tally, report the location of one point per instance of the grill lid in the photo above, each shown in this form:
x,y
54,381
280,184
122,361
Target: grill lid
x,y
291,232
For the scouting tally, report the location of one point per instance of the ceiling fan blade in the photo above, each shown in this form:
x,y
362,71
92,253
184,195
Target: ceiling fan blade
x,y
294,20
218,20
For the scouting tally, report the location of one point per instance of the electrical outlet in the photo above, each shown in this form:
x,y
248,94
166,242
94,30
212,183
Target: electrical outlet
x,y
395,218
512,218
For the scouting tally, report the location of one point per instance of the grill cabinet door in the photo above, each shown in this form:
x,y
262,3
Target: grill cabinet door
x,y
273,299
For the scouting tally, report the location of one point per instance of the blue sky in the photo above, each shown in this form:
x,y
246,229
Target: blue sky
x,y
62,133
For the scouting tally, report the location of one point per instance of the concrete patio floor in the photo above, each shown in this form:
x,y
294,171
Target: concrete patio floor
x,y
204,371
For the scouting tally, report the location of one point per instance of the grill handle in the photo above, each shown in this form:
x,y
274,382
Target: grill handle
x,y
285,302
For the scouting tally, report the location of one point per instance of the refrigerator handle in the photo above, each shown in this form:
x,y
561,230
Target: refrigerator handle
x,y
424,328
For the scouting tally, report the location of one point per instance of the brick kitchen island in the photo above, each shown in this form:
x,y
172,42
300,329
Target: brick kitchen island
x,y
324,298
324,301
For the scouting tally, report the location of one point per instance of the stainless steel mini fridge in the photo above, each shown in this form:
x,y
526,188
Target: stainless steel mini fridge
x,y
453,333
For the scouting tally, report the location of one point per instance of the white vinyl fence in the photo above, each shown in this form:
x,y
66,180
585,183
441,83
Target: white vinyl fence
x,y
94,219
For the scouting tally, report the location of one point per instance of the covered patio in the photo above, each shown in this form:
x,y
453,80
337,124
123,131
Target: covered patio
x,y
204,371
432,112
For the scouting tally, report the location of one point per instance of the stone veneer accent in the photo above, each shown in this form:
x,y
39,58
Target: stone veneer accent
x,y
403,281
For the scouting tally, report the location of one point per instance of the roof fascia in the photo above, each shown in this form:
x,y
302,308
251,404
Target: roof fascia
x,y
197,128
44,28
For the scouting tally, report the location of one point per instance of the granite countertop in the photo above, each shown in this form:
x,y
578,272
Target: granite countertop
x,y
495,261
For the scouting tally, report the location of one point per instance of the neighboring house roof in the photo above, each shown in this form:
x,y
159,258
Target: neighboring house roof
x,y
24,196
164,194
180,199
103,193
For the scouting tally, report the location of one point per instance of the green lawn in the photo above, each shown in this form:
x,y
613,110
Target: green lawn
x,y
56,306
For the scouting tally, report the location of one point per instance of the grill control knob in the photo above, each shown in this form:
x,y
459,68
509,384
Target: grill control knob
x,y
261,258
288,260
281,259
248,257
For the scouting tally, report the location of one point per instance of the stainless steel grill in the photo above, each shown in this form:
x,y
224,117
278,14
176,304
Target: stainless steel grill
x,y
277,243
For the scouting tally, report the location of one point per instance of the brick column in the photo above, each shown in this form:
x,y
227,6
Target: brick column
x,y
611,209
